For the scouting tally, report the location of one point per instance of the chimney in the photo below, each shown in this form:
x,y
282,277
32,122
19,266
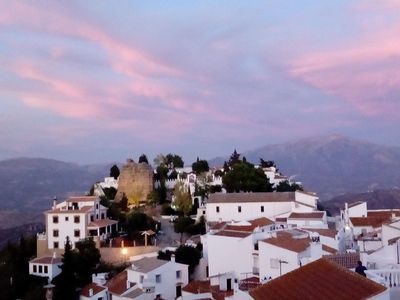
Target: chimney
x,y
54,254
90,292
54,202
315,247
173,257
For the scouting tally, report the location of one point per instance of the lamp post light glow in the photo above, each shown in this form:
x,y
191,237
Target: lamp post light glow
x,y
124,252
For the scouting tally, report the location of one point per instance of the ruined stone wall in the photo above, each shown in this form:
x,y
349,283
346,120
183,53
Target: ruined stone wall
x,y
135,181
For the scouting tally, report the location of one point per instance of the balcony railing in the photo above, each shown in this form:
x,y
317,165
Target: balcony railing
x,y
387,277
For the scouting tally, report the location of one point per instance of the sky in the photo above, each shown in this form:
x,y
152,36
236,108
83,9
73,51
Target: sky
x,y
101,81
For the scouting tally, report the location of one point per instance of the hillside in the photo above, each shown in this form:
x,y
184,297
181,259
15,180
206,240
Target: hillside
x,y
29,184
333,165
378,199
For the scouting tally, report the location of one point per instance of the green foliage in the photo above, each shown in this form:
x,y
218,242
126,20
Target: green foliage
x,y
183,200
182,224
110,193
235,158
174,161
197,228
215,189
267,163
200,166
139,221
159,195
243,177
167,210
87,257
286,186
185,255
161,173
143,159
114,171
66,282
218,173
173,175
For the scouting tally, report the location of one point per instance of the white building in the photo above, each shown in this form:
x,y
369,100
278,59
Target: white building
x,y
77,218
94,291
248,206
315,219
45,266
149,278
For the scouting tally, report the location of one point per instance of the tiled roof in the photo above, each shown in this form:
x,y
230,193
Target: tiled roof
x,y
307,215
383,213
285,240
81,198
217,226
102,223
280,219
251,197
117,284
260,222
317,280
200,287
95,288
331,250
46,260
324,232
347,260
147,264
368,221
231,233
83,209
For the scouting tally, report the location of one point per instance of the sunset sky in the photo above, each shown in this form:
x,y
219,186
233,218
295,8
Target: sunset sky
x,y
100,81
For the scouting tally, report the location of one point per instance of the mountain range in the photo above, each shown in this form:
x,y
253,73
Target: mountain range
x,y
331,165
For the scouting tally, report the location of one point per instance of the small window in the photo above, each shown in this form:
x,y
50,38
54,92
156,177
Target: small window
x,y
239,209
97,206
55,245
204,212
158,278
178,274
34,268
76,219
91,218
55,219
262,208
256,246
55,233
102,216
66,219
46,270
141,278
217,209
77,233
40,269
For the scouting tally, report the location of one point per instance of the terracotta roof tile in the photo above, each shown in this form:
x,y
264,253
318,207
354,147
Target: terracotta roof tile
x,y
48,260
285,240
81,198
307,215
260,222
200,287
102,223
235,234
251,197
96,289
317,280
117,284
368,221
384,213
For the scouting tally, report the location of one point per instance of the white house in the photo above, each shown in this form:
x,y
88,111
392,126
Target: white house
x,y
77,218
45,266
149,278
314,219
94,291
286,251
222,207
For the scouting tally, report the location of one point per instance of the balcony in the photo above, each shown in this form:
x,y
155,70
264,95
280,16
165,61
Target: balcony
x,y
390,278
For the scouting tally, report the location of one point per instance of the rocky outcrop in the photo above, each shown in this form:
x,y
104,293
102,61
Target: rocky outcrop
x,y
135,182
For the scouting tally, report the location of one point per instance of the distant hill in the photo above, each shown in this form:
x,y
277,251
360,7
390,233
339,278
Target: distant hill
x,y
29,184
378,199
333,165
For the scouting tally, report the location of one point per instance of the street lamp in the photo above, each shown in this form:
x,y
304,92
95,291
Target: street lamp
x,y
124,252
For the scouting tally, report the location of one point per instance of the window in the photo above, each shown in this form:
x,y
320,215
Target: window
x,y
158,278
40,269
141,278
91,218
55,219
55,245
178,274
34,268
46,270
55,233
66,218
256,246
262,208
97,206
102,216
217,209
76,219
77,233
204,212
239,209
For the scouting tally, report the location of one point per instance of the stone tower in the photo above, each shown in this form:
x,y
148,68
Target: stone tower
x,y
135,181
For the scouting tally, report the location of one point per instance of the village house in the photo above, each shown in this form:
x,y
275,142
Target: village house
x,y
45,266
78,218
222,207
321,279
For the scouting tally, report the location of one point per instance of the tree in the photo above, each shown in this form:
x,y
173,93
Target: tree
x,y
286,186
174,161
143,159
267,163
187,255
183,200
200,166
87,259
65,282
243,177
182,224
235,158
114,172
